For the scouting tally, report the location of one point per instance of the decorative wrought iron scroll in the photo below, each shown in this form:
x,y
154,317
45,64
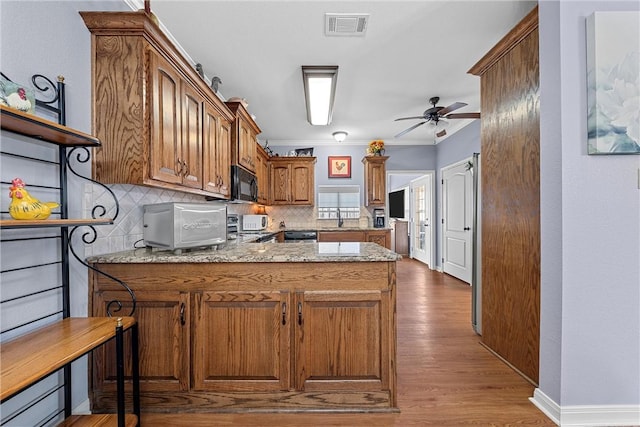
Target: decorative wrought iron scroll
x,y
82,155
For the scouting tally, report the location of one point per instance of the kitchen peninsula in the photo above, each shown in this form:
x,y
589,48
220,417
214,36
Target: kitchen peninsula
x,y
271,327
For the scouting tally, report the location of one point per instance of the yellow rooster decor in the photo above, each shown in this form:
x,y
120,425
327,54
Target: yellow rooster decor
x,y
24,206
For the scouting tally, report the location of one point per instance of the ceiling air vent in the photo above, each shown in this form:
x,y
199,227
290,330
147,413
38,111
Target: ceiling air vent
x,y
345,24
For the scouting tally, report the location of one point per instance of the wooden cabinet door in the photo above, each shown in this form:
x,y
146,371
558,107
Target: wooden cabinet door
x,y
382,237
341,236
191,153
302,183
262,173
223,154
165,146
241,341
374,180
247,146
280,178
342,340
163,319
216,152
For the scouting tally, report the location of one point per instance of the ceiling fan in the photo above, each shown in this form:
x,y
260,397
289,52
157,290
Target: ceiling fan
x,y
435,114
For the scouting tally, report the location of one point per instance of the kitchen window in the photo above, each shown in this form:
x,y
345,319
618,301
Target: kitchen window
x,y
334,200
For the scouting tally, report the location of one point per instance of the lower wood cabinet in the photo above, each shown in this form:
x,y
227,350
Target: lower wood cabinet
x,y
381,237
249,346
241,341
350,354
163,318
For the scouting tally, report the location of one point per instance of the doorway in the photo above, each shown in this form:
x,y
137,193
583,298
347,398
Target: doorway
x,y
422,218
457,220
422,249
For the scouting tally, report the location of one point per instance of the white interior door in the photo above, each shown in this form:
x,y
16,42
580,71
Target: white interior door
x,y
422,236
457,220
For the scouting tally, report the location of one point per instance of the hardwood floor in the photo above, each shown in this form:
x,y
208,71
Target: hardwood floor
x,y
445,377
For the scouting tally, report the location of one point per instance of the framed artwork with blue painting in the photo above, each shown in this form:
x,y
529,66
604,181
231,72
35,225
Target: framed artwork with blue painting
x,y
613,78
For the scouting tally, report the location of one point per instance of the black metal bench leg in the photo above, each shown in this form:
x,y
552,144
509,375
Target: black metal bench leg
x,y
120,372
135,359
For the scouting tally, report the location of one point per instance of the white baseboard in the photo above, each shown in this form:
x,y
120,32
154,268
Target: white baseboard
x,y
587,415
82,409
546,405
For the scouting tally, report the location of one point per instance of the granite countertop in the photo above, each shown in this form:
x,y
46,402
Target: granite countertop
x,y
258,252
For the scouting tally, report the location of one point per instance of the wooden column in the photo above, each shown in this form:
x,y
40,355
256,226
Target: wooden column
x,y
511,197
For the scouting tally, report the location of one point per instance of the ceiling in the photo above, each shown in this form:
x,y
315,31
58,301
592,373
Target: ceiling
x,y
412,51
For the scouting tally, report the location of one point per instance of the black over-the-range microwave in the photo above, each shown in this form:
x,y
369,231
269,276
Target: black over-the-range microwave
x,y
244,184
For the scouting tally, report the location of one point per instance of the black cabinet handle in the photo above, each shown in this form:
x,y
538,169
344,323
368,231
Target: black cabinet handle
x,y
299,313
284,313
467,228
182,321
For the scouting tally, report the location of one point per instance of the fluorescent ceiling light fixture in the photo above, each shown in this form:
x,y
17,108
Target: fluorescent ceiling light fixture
x,y
319,92
340,135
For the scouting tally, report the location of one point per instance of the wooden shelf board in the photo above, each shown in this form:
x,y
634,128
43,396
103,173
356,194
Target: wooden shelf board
x,y
40,128
98,420
33,356
28,223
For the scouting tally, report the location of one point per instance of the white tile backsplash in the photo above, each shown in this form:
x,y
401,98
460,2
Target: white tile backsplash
x,y
127,228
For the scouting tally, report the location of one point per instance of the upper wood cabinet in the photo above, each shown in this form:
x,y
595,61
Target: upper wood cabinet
x,y
216,149
244,133
176,126
375,186
262,174
292,180
152,111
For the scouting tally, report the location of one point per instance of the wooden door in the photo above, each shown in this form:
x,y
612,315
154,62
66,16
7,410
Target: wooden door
x,y
241,341
191,155
163,319
342,341
165,145
280,178
302,182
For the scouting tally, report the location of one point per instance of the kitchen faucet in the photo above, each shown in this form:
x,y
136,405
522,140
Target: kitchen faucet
x,y
340,220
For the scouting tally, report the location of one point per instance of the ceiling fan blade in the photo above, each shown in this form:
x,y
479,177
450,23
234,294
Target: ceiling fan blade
x,y
463,116
442,133
409,129
410,118
450,108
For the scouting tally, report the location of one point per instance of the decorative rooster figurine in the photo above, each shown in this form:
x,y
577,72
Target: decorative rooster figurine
x,y
24,206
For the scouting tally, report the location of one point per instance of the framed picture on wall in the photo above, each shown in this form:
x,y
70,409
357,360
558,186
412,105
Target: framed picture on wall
x,y
339,166
612,77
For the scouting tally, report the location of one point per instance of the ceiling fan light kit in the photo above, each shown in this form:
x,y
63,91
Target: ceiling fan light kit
x,y
340,135
319,92
435,116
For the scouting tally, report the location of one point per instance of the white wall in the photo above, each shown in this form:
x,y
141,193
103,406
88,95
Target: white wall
x,y
590,305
